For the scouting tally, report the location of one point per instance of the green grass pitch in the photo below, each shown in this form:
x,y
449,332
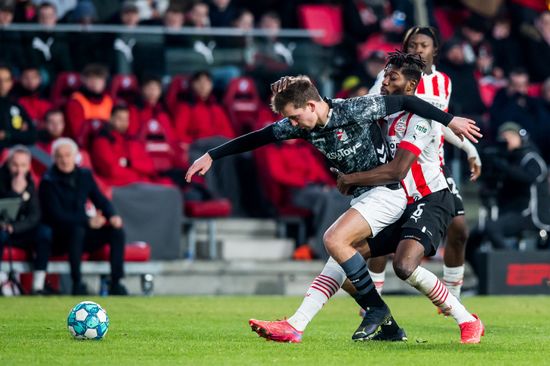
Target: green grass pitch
x,y
214,331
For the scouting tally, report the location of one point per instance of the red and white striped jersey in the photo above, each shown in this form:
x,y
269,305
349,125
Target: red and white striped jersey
x,y
421,137
434,88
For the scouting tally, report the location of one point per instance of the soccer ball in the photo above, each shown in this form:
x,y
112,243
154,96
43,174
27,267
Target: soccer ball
x,y
88,320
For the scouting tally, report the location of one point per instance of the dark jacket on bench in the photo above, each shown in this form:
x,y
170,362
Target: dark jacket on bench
x,y
28,216
63,197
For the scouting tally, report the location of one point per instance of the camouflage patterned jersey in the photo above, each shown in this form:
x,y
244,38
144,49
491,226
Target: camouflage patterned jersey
x,y
351,139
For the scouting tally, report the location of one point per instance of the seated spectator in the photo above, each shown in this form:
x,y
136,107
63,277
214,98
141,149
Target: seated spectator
x,y
310,186
12,50
518,185
90,107
118,158
25,232
63,193
155,127
222,13
54,126
506,47
16,126
542,129
30,95
453,63
536,41
151,11
46,48
202,122
513,103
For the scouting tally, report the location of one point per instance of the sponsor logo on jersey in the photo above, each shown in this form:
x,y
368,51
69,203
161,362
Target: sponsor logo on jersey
x,y
341,135
422,128
400,125
343,153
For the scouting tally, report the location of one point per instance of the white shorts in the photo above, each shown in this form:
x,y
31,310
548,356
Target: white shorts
x,y
380,206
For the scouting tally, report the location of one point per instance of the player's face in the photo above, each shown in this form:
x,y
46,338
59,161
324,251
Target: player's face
x,y
422,45
394,82
301,117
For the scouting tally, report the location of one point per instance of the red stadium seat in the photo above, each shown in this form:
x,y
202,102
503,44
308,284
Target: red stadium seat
x,y
177,90
242,102
322,17
125,88
17,254
535,90
133,252
65,84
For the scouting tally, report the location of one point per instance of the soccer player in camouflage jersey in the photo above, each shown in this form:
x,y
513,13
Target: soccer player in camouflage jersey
x,y
346,133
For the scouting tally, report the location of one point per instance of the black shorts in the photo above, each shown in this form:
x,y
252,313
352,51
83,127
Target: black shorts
x,y
459,204
425,220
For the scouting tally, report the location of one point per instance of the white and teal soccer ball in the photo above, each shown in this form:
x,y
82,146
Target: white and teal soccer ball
x,y
88,320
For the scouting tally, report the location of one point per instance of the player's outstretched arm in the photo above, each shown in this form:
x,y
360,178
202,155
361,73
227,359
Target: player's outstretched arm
x,y
243,143
459,125
200,166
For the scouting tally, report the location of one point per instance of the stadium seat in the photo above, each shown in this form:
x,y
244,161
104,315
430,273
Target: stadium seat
x,y
65,84
177,90
17,254
448,19
327,18
133,252
535,90
125,88
206,211
243,103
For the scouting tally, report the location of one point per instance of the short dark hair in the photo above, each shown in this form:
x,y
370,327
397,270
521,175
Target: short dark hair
x,y
47,4
98,70
151,79
52,111
410,65
431,32
119,108
299,92
199,74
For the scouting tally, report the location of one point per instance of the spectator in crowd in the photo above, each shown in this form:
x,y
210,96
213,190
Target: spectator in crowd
x,y
155,127
542,129
203,123
90,107
25,232
536,38
16,127
12,52
151,10
118,158
63,193
222,13
310,186
364,76
63,7
174,19
518,182
47,48
505,47
54,126
472,38
30,94
513,103
124,43
453,63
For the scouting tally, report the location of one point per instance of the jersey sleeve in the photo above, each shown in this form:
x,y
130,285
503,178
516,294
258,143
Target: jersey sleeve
x,y
419,133
366,109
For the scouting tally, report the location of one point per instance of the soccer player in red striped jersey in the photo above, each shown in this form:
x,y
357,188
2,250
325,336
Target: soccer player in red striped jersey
x,y
415,143
435,87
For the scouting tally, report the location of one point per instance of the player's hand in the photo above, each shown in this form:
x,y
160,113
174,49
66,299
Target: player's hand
x,y
465,127
475,169
341,181
201,166
284,82
97,221
116,221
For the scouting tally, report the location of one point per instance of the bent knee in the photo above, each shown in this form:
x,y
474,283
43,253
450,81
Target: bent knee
x,y
331,239
404,269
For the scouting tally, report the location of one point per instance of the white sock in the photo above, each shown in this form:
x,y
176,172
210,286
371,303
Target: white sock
x,y
428,284
453,277
38,279
378,280
319,292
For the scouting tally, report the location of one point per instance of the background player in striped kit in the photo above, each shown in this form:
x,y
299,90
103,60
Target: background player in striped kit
x,y
435,87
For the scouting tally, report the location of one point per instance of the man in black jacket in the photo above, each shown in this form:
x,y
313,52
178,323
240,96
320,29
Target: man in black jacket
x,y
25,232
521,194
64,192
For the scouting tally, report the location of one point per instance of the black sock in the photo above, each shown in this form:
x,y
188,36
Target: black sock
x,y
358,273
